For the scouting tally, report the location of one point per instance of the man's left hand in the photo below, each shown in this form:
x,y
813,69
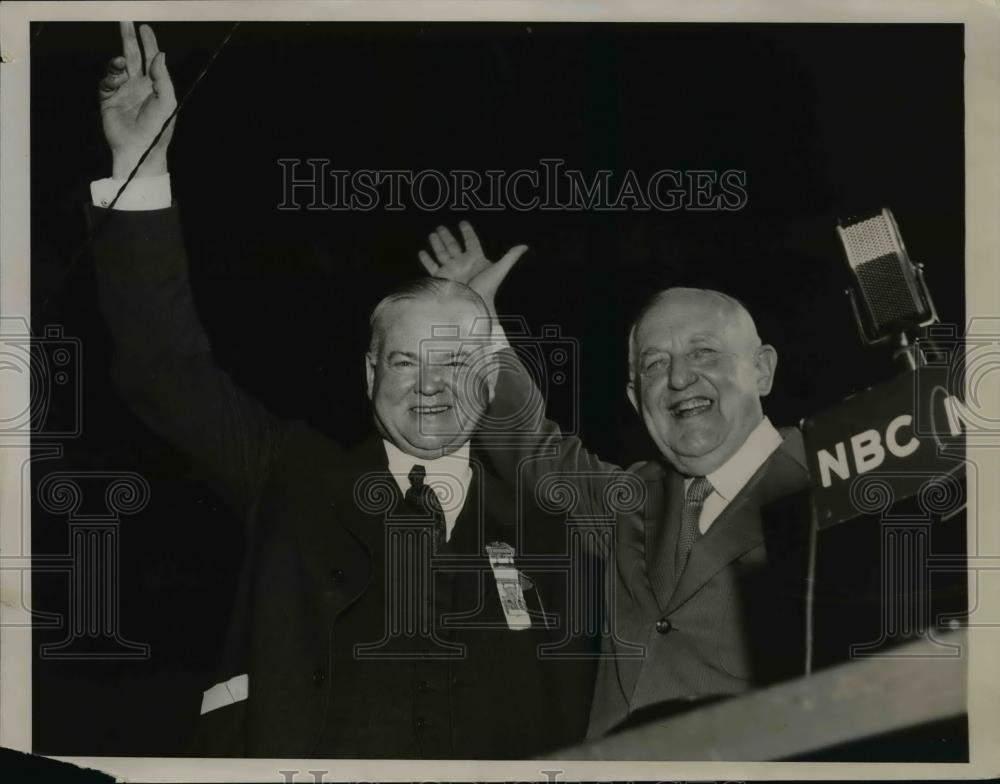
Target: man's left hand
x,y
469,265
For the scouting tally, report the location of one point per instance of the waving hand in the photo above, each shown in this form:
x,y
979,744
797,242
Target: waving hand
x,y
468,265
135,102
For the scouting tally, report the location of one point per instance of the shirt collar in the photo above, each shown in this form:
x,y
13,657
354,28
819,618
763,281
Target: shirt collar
x,y
455,464
729,478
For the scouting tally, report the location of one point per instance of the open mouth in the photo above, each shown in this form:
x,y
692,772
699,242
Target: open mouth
x,y
430,411
691,407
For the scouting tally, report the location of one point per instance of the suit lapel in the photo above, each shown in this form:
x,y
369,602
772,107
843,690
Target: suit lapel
x,y
640,537
739,528
468,536
663,513
733,533
360,498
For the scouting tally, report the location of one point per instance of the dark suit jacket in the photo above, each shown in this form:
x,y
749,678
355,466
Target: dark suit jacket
x,y
314,514
735,621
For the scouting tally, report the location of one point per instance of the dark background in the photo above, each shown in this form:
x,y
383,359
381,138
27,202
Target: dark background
x,y
827,121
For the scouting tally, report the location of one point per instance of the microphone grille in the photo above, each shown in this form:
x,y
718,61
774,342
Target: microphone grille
x,y
870,239
885,278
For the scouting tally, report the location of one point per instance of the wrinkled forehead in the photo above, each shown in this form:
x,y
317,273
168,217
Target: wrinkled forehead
x,y
428,323
682,316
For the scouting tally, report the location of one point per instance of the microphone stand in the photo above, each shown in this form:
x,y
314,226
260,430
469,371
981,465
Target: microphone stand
x,y
904,352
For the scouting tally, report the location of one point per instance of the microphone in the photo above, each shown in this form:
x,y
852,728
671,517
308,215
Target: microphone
x,y
888,292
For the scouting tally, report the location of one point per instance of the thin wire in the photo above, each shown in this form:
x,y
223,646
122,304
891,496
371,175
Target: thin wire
x,y
811,588
108,214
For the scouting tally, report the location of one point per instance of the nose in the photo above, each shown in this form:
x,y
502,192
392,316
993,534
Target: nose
x,y
431,379
681,374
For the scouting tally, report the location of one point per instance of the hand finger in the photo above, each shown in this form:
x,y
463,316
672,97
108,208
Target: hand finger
x,y
149,47
114,77
469,237
449,241
429,264
437,246
112,82
130,46
162,84
116,65
510,259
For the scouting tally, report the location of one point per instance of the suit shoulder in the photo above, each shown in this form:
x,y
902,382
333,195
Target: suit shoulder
x,y
786,471
303,443
793,446
646,470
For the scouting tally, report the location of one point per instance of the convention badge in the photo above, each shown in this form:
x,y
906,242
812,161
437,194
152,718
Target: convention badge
x,y
508,579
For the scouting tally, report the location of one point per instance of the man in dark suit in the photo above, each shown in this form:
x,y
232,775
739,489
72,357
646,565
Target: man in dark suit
x,y
388,606
711,569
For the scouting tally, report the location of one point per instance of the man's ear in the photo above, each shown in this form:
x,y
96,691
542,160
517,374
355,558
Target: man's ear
x,y
370,361
632,397
765,361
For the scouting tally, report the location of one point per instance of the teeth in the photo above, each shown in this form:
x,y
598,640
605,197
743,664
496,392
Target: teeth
x,y
430,409
693,404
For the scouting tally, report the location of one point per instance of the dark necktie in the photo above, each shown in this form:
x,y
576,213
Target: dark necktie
x,y
694,498
425,501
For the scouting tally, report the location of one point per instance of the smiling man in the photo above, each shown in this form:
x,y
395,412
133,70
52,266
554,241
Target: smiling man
x,y
423,341
710,572
389,606
697,372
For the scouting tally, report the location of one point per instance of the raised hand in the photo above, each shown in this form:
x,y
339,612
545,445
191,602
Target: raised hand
x,y
135,102
469,265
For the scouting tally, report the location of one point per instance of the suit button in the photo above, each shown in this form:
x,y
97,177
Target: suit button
x,y
337,575
318,676
421,723
423,687
664,625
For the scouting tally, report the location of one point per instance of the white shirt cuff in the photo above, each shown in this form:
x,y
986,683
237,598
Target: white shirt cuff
x,y
143,193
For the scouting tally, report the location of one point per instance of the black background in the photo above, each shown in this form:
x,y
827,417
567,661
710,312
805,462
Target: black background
x,y
827,121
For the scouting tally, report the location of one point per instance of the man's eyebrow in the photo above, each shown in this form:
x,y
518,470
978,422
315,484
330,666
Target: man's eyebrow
x,y
398,353
697,337
465,347
451,354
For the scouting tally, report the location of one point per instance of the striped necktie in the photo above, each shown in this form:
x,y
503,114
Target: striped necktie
x,y
699,489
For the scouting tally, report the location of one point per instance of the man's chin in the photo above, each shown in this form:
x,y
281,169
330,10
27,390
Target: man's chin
x,y
695,457
427,440
430,446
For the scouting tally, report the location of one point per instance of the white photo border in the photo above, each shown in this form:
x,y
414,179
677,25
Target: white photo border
x,y
981,20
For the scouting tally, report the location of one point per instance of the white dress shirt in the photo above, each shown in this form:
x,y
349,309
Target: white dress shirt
x,y
729,478
448,476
